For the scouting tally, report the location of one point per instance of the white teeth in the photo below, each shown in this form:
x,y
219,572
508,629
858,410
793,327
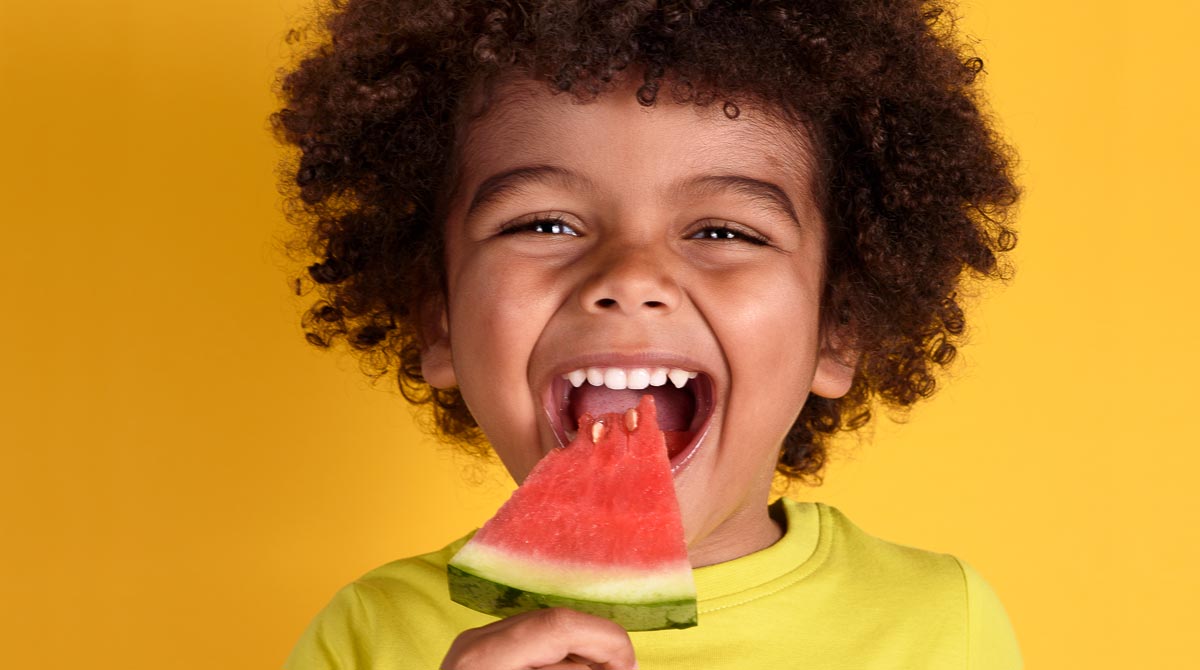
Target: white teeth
x,y
678,377
614,378
629,378
595,376
639,378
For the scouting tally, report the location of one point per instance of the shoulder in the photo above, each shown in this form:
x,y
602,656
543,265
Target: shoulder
x,y
874,559
993,641
928,583
398,610
407,578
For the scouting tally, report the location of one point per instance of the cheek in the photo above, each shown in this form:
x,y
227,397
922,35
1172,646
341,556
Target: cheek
x,y
498,311
767,314
767,324
490,307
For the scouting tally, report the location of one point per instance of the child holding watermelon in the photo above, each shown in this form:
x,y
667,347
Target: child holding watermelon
x,y
537,212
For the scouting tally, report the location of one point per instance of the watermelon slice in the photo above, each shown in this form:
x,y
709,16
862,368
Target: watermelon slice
x,y
594,527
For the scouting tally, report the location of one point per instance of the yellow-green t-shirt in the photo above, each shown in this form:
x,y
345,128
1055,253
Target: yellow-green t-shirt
x,y
826,596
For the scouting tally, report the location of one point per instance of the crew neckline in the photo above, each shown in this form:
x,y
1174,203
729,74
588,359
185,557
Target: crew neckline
x,y
802,549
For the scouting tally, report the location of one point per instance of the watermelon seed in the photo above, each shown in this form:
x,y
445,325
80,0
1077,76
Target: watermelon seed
x,y
631,420
598,430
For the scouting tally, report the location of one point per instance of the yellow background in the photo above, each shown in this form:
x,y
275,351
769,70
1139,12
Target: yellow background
x,y
185,482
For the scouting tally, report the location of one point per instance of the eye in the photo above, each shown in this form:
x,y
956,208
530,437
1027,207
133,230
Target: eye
x,y
723,232
545,226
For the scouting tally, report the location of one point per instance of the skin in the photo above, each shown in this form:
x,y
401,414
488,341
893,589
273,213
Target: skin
x,y
640,281
549,639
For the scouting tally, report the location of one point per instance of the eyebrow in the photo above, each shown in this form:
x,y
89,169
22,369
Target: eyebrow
x,y
763,192
511,181
505,183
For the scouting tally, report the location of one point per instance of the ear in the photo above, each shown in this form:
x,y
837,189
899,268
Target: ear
x,y
437,365
837,362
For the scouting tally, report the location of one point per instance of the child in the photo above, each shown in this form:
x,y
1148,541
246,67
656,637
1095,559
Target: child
x,y
774,199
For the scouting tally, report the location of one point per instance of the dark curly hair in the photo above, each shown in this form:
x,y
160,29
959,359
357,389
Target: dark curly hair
x,y
915,186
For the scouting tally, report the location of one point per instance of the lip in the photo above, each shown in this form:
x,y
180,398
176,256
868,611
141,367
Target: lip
x,y
554,388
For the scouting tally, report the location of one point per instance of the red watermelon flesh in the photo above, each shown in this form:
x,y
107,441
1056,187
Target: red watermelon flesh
x,y
674,408
595,526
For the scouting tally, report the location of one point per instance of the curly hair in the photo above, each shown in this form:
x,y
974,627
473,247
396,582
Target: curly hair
x,y
915,186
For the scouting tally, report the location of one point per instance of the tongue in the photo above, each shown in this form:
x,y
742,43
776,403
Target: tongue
x,y
675,407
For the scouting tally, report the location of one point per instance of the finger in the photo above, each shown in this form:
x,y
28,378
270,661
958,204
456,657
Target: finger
x,y
573,636
543,638
572,658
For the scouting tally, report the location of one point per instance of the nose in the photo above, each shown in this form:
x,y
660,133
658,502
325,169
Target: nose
x,y
631,280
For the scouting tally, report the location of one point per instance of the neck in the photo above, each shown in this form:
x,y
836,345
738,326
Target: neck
x,y
744,533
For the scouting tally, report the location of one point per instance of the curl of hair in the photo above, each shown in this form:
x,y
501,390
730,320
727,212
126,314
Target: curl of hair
x,y
916,187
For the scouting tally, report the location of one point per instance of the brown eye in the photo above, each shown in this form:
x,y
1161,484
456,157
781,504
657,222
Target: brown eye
x,y
542,226
723,233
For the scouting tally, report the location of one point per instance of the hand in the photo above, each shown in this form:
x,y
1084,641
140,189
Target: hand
x,y
549,639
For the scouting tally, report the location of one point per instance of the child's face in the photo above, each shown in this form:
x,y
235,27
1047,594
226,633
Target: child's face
x,y
654,264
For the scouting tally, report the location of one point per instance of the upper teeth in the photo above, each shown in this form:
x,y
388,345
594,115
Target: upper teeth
x,y
629,378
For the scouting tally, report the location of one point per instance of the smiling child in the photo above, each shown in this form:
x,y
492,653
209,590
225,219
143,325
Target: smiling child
x,y
758,212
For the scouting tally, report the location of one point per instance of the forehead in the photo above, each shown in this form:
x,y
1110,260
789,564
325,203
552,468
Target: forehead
x,y
524,122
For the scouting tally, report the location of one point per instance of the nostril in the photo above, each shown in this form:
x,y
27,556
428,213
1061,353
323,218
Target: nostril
x,y
608,303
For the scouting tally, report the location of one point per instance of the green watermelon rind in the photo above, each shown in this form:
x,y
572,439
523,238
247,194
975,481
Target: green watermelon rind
x,y
484,595
621,581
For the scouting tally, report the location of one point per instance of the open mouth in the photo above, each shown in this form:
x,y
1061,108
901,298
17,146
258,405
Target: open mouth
x,y
683,401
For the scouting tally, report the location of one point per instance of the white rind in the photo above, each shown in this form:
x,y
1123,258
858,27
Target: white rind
x,y
573,580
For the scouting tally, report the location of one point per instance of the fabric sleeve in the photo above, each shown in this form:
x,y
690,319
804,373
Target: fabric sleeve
x,y
992,644
335,638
